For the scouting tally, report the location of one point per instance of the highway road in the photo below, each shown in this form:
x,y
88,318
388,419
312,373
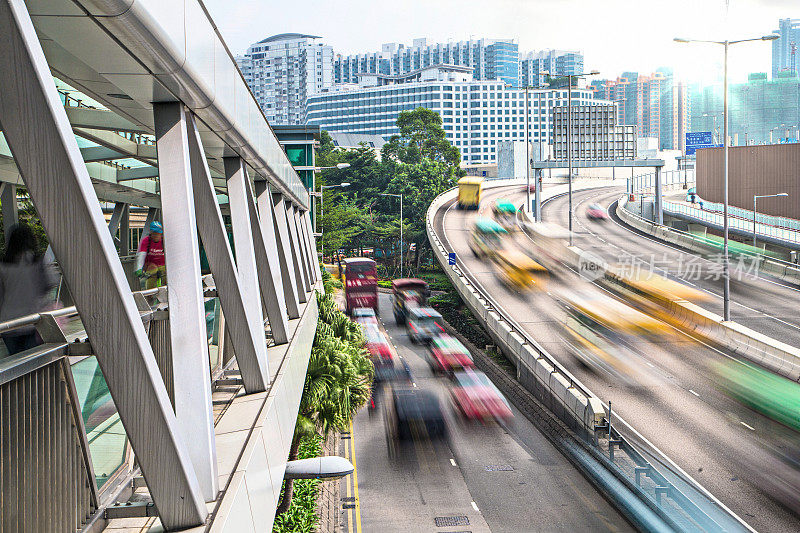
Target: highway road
x,y
535,488
761,303
683,411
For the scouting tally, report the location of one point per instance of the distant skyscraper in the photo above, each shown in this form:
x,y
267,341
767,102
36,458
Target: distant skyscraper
x,y
657,104
535,66
490,59
283,70
785,57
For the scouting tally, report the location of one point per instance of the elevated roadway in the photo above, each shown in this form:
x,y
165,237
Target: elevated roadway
x,y
682,412
759,302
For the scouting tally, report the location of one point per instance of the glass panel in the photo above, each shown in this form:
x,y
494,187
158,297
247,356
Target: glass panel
x,y
106,436
213,314
296,155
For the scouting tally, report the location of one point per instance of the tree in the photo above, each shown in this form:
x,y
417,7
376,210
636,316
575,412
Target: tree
x,y
338,382
421,137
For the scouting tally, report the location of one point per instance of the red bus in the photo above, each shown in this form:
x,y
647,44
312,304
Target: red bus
x,y
360,284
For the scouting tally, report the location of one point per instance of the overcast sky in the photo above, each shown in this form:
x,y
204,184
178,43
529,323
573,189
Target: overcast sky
x,y
614,35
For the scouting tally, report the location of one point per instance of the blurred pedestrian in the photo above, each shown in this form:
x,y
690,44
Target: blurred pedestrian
x,y
26,280
150,262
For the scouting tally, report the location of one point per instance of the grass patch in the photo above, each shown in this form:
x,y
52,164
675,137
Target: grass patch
x,y
302,514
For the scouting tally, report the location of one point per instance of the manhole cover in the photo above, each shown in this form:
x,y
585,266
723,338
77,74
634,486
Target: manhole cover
x,y
499,468
447,521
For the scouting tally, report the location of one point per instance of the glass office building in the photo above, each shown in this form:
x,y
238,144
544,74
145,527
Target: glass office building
x,y
475,114
784,49
762,111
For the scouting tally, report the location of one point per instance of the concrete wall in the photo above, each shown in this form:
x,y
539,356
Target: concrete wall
x,y
767,169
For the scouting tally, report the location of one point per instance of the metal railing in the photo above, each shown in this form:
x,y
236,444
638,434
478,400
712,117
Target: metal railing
x,y
64,451
778,228
670,180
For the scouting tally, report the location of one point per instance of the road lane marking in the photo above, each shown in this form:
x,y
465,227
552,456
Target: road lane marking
x,y
751,428
355,478
693,392
452,462
475,506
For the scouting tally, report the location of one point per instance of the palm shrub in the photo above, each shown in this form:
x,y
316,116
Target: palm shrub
x,y
338,381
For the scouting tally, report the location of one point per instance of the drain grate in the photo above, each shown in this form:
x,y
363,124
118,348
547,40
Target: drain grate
x,y
447,521
499,468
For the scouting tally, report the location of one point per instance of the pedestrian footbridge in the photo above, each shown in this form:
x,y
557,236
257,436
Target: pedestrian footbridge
x,y
179,400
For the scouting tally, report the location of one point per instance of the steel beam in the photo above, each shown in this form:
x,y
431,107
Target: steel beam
x,y
125,231
290,268
659,200
312,243
239,198
116,217
40,136
187,324
269,273
8,200
297,248
248,343
308,249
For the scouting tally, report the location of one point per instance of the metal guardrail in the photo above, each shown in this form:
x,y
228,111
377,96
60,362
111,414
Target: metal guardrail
x,y
778,228
667,482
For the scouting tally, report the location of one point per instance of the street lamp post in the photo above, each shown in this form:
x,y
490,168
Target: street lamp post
x,y
401,226
322,210
569,138
339,166
726,292
755,209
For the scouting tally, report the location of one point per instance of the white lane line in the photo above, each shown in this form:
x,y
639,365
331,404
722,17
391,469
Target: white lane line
x,y
751,428
452,462
650,364
693,392
475,506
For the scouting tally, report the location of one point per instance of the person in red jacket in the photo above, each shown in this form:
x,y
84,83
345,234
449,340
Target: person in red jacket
x,y
150,262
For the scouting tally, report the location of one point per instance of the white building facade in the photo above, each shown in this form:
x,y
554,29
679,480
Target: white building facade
x,y
283,70
476,115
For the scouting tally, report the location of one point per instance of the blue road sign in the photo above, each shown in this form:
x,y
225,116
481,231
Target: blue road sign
x,y
451,259
698,139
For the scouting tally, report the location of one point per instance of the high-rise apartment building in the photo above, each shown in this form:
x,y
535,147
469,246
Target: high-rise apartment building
x,y
657,104
785,57
535,67
283,70
476,114
490,59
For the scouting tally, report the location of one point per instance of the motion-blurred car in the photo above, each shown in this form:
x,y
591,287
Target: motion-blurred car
x,y
531,187
424,323
476,397
518,271
447,354
365,315
377,344
412,414
505,213
487,237
596,212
